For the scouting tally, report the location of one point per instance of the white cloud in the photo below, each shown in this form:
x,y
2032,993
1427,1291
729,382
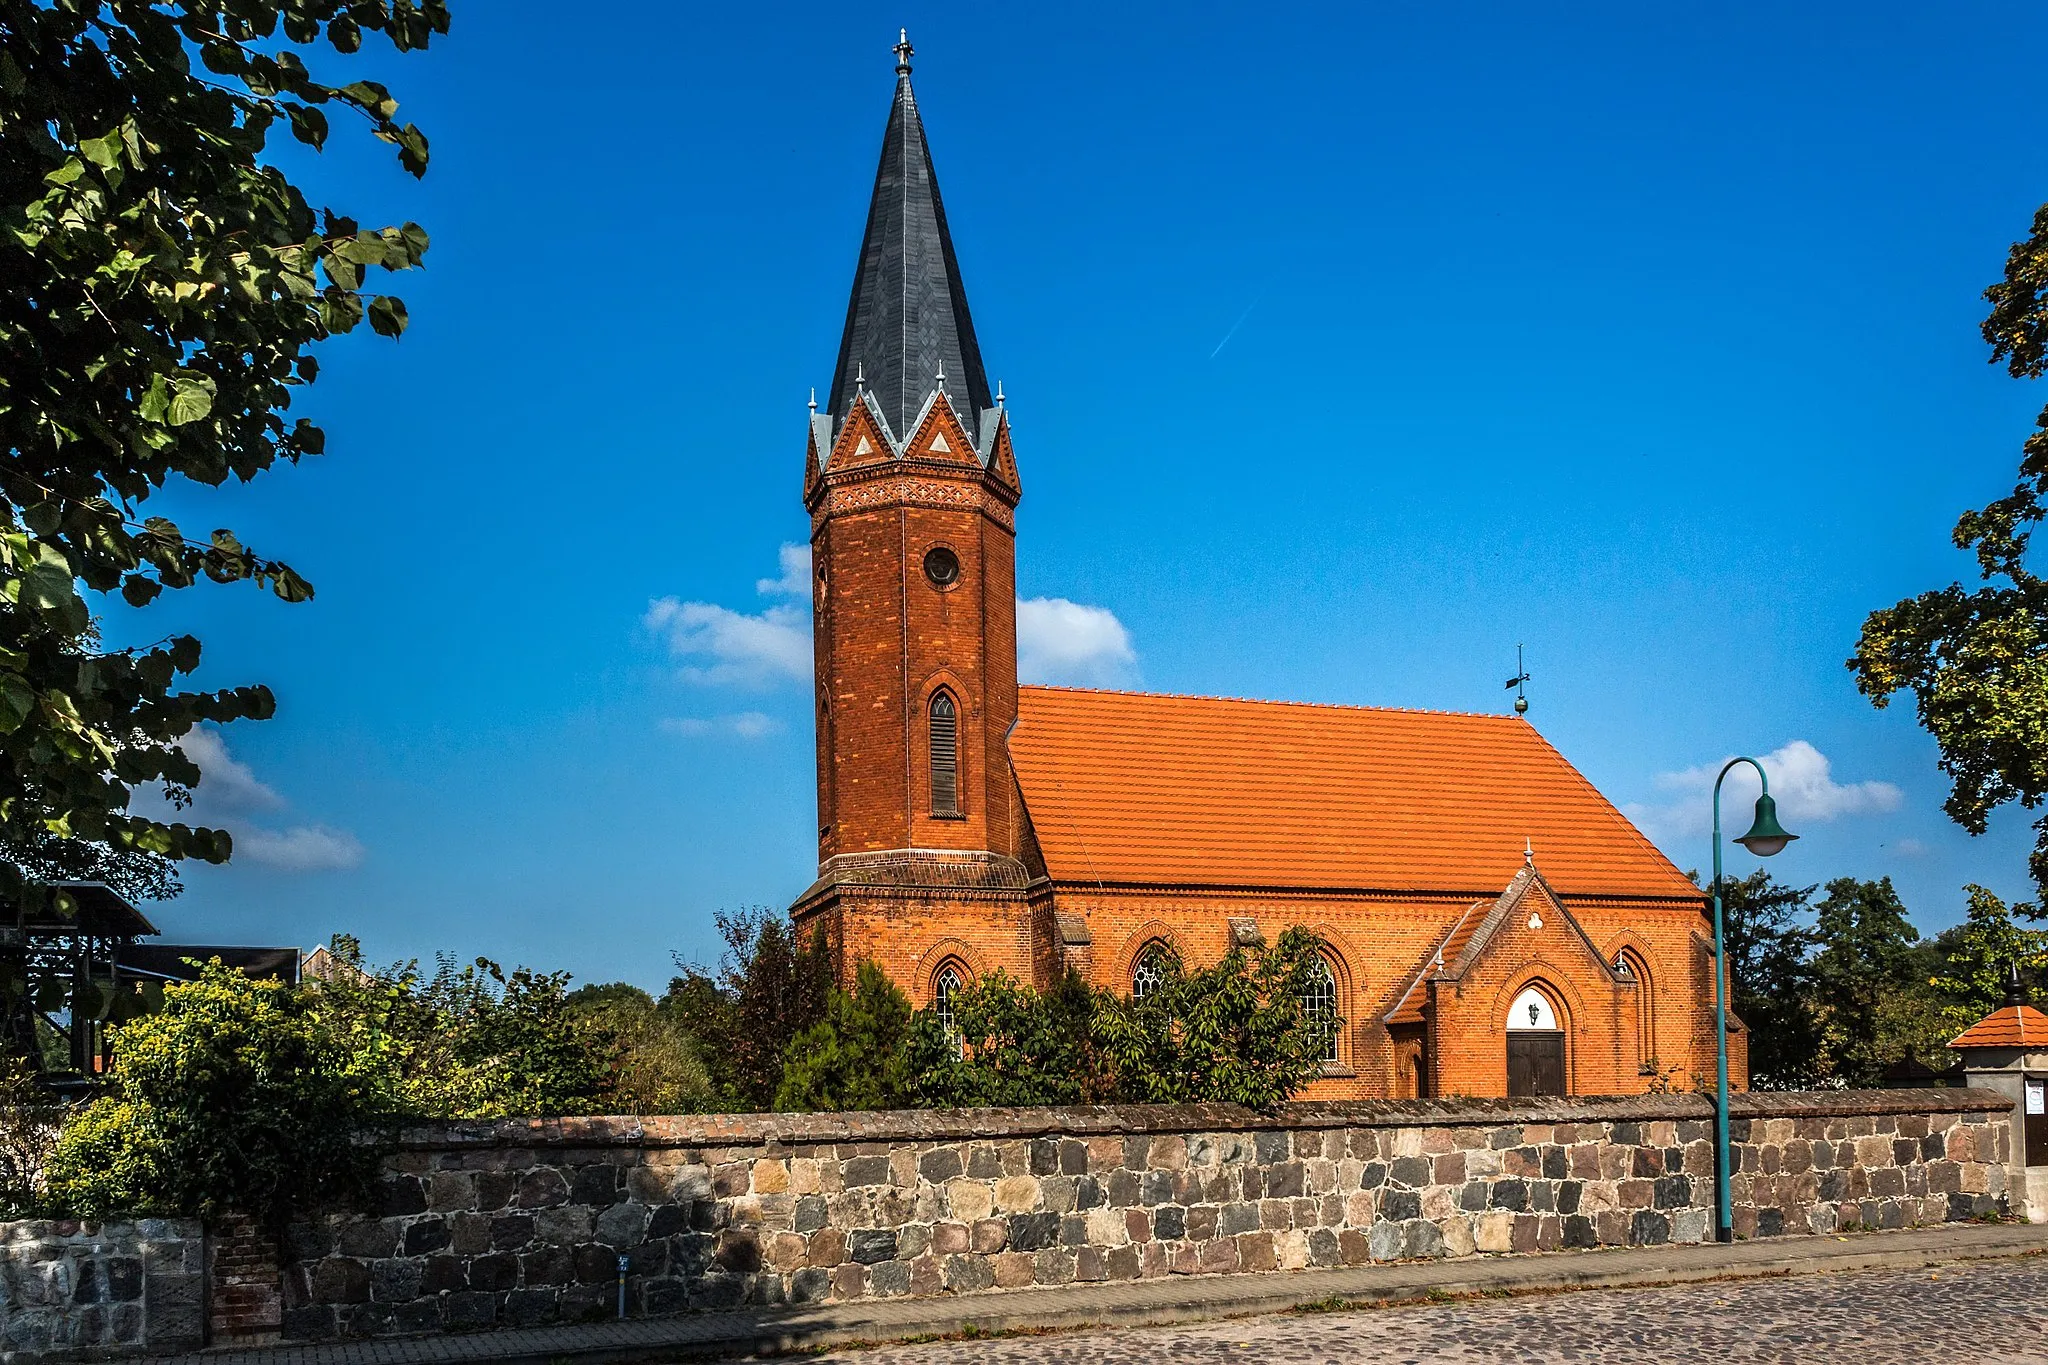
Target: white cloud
x,y
1802,781
1057,640
302,848
226,783
733,648
796,574
737,649
230,796
744,725
1910,848
1067,642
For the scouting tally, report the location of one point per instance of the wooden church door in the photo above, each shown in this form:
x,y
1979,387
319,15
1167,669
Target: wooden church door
x,y
1535,1046
1535,1063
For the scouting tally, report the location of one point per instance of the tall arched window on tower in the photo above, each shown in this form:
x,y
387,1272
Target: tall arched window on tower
x,y
945,739
1319,1004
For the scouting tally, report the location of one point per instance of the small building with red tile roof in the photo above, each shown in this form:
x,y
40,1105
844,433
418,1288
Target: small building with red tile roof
x,y
2021,1028
1494,924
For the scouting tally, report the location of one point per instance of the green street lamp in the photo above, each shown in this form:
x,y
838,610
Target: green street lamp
x,y
1766,837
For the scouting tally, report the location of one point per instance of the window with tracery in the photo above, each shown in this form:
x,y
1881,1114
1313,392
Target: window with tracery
x,y
1319,1004
1148,973
945,986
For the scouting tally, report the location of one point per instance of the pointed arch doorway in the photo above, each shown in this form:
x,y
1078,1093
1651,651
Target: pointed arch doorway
x,y
1535,1044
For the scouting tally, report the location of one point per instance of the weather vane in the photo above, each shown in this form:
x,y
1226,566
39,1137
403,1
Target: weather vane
x,y
1521,676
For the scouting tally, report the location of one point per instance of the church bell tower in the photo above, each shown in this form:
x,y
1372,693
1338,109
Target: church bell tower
x,y
912,490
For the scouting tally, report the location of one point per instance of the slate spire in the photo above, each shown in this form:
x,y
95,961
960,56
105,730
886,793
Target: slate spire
x,y
907,323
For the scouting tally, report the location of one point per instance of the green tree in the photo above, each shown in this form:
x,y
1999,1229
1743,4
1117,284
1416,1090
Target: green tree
x,y
1981,953
659,1071
866,1053
1976,659
234,1098
1234,1032
770,985
1012,1045
164,286
469,1042
1871,999
1770,945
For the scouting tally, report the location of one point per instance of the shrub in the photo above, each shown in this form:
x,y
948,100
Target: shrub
x,y
866,1053
235,1098
658,1070
770,985
1234,1032
474,1042
31,1118
1012,1045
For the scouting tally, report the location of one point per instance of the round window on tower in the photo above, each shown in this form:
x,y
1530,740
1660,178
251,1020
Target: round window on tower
x,y
941,566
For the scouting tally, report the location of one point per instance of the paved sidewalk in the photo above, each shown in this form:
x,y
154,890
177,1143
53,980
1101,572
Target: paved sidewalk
x,y
1148,1302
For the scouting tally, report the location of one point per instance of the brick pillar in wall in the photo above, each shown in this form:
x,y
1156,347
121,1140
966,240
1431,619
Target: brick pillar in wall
x,y
245,1298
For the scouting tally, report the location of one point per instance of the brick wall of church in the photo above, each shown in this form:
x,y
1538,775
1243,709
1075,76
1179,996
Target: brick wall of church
x,y
1378,942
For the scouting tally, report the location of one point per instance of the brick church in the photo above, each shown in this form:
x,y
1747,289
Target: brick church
x,y
1494,925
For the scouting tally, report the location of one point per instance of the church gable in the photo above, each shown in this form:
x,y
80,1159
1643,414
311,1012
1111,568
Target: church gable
x,y
863,439
1528,922
1002,463
939,435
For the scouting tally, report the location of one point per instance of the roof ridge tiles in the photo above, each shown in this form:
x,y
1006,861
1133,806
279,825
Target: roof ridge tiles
x,y
1273,701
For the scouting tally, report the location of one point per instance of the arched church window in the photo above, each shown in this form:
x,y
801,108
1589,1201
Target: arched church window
x,y
1319,1004
945,985
945,743
1148,973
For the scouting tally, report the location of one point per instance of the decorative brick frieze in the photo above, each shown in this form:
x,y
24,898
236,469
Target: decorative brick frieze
x,y
518,1223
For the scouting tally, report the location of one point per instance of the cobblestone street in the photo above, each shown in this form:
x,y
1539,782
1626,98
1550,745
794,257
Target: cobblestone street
x,y
1992,1312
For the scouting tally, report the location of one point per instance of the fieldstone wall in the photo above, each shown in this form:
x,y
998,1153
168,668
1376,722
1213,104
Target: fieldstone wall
x,y
88,1289
522,1223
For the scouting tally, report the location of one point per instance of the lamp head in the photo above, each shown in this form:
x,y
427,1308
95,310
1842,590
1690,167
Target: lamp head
x,y
1766,836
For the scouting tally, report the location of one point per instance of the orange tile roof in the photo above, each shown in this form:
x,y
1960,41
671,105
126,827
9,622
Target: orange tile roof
x,y
1135,787
1408,1004
2010,1026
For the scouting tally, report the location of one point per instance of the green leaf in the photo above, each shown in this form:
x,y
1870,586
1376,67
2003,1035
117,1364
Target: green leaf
x,y
17,701
372,97
387,315
104,152
192,400
156,399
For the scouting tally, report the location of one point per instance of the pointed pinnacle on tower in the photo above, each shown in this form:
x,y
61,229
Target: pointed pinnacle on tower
x,y
904,51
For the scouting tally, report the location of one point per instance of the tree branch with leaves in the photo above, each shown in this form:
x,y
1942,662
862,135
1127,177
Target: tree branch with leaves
x,y
1976,659
165,287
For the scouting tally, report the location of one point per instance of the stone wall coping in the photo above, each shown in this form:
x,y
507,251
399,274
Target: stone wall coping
x,y
953,1125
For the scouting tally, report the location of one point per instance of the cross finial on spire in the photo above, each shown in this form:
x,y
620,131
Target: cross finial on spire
x,y
903,51
1528,853
860,378
942,376
999,393
814,400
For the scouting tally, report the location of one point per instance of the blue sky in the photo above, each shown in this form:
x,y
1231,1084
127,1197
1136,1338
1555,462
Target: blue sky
x,y
1347,346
